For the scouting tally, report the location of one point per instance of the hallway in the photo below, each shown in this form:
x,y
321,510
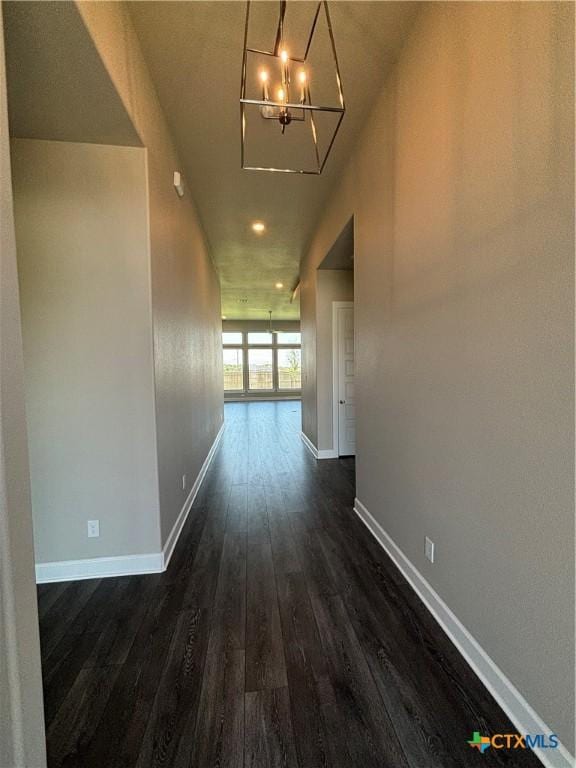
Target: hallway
x,y
280,635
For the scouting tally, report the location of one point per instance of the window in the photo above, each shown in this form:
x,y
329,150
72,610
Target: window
x,y
260,338
233,370
287,337
260,375
232,337
289,368
260,361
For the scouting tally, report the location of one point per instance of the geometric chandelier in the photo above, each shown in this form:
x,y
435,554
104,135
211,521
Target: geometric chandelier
x,y
287,56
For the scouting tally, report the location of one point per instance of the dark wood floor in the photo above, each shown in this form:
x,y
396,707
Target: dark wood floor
x,y
280,635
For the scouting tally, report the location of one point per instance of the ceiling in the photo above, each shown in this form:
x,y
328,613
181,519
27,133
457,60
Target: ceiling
x,y
194,54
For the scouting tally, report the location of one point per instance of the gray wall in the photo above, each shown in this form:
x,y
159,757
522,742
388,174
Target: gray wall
x,y
331,285
21,713
84,269
185,287
58,86
462,188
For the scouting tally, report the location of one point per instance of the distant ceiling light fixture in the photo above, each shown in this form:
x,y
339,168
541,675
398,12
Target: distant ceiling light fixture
x,y
223,317
258,226
279,285
294,106
270,329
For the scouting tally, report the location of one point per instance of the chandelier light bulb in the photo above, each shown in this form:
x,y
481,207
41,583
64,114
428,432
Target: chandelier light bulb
x,y
302,79
263,75
280,94
284,56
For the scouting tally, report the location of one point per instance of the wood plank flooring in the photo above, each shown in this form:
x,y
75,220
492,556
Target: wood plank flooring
x,y
281,636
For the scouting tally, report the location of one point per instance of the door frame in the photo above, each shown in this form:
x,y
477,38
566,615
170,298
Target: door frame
x,y
336,305
22,731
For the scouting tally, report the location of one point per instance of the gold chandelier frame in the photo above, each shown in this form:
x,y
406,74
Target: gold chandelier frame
x,y
299,110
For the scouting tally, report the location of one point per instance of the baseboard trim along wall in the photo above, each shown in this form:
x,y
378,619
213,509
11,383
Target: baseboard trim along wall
x,y
322,453
98,567
127,565
524,717
172,539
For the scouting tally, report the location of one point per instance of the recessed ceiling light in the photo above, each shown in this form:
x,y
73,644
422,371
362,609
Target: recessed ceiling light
x,y
258,226
279,285
223,317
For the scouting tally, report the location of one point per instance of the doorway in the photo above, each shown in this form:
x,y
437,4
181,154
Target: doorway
x,y
343,400
335,348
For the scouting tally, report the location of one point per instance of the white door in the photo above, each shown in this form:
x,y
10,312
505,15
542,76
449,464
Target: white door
x,y
345,377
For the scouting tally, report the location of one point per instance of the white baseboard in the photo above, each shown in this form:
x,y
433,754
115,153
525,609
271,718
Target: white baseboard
x,y
309,444
327,453
322,453
168,548
126,565
98,567
524,717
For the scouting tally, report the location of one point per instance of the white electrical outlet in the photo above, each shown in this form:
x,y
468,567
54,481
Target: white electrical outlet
x,y
93,529
429,549
183,482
